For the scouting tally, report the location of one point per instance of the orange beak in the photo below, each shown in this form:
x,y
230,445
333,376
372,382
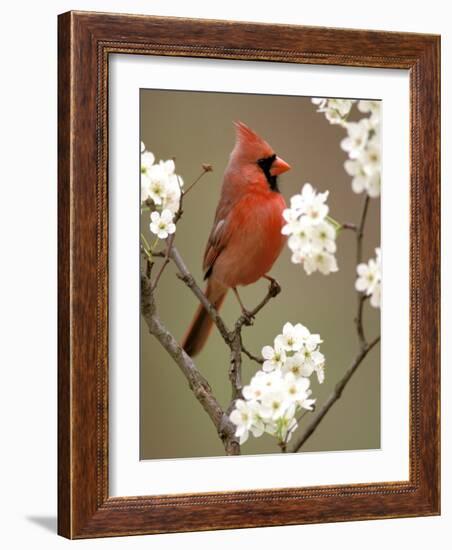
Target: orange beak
x,y
279,166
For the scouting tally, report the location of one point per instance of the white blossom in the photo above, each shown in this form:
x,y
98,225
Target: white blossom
x,y
272,382
372,107
293,337
274,357
323,236
173,193
275,404
321,102
370,158
361,180
162,224
293,224
336,110
308,203
295,364
373,186
312,237
255,390
342,106
296,388
159,182
369,278
320,261
300,235
278,392
375,298
362,143
245,417
356,141
161,190
147,160
286,426
313,361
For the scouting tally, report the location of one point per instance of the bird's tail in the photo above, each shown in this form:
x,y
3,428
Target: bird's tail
x,y
199,329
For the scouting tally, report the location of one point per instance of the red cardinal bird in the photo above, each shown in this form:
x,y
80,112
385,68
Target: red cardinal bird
x,y
246,238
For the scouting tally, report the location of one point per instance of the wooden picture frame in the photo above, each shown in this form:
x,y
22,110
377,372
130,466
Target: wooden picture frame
x,y
85,42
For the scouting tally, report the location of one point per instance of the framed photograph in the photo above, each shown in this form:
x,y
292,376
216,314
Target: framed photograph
x,y
248,275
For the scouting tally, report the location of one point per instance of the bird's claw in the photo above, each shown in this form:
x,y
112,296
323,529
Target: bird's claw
x,y
274,288
248,317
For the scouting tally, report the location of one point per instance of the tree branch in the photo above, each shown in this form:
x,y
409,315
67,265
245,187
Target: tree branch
x,y
350,226
363,345
196,381
189,280
360,231
251,356
334,396
359,256
165,262
177,216
205,168
233,338
236,344
246,319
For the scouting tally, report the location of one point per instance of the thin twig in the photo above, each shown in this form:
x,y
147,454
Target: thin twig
x,y
247,318
147,255
359,254
165,262
290,432
149,265
236,344
273,290
360,232
350,226
251,356
359,320
335,395
304,413
232,338
364,347
205,168
197,383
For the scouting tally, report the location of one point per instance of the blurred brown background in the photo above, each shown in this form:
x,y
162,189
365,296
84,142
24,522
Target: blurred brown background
x,y
196,127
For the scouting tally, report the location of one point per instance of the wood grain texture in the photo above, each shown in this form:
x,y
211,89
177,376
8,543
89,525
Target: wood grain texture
x,y
85,42
64,295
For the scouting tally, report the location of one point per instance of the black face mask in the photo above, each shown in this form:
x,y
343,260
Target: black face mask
x,y
265,164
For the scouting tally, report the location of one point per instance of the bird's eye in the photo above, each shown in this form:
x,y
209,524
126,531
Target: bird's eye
x,y
266,162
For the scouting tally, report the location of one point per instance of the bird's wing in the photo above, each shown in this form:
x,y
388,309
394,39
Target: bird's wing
x,y
218,238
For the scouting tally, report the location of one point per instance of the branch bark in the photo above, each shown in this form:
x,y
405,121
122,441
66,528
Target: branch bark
x,y
233,339
359,256
251,356
236,345
334,396
189,280
364,347
196,381
360,232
